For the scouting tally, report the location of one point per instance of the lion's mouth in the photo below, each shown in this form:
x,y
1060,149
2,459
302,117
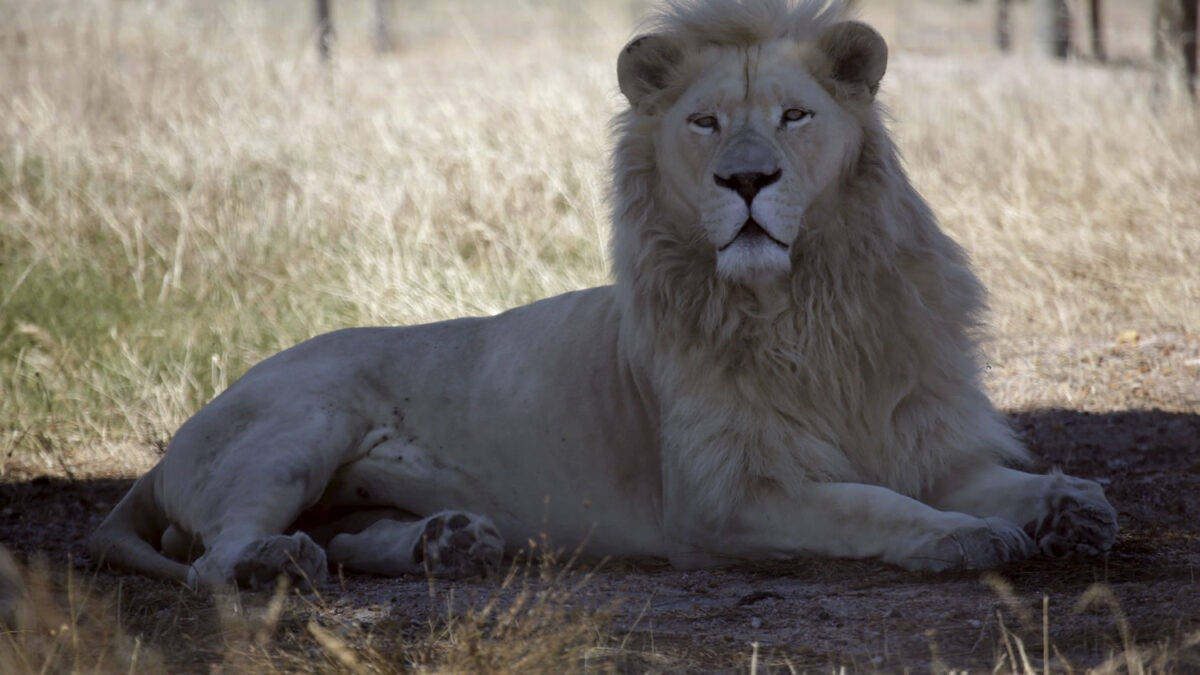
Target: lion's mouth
x,y
751,232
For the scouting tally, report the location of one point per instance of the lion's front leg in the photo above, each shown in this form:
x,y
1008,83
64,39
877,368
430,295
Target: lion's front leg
x,y
1064,515
853,520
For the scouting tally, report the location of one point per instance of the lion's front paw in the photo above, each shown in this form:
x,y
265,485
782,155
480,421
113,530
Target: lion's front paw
x,y
983,543
457,544
1074,518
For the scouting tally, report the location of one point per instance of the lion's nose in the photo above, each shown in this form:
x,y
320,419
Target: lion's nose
x,y
747,184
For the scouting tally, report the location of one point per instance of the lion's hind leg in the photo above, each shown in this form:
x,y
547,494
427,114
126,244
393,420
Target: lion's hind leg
x,y
448,544
242,505
127,538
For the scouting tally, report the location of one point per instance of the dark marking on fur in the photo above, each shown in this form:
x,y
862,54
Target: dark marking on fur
x,y
458,521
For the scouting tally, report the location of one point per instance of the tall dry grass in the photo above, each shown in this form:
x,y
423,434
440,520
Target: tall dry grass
x,y
184,189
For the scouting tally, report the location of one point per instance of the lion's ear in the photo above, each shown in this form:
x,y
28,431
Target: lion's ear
x,y
858,55
645,66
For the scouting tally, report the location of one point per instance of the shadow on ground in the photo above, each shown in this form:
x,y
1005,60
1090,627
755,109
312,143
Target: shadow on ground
x,y
806,614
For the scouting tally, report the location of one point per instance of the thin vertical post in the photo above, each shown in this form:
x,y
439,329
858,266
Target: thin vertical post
x,y
1175,26
1096,19
324,29
1167,23
1003,25
383,27
1187,41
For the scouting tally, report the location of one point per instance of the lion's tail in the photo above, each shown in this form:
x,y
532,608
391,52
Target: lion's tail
x,y
128,538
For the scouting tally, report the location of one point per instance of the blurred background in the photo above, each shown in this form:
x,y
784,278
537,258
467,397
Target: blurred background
x,y
187,186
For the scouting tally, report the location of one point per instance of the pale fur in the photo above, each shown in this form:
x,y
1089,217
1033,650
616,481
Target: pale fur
x,y
826,405
862,344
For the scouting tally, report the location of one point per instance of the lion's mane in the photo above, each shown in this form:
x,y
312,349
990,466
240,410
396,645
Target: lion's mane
x,y
879,328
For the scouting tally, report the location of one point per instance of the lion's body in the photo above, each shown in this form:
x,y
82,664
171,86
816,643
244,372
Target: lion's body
x,y
786,365
475,424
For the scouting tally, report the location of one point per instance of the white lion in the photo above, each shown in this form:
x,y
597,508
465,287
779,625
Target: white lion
x,y
785,366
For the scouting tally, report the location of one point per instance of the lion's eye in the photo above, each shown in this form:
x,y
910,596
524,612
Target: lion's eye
x,y
795,117
704,124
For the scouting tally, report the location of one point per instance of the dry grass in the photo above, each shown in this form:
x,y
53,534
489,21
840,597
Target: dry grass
x,y
184,190
529,624
56,624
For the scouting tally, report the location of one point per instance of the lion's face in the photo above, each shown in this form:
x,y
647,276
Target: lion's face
x,y
747,148
748,139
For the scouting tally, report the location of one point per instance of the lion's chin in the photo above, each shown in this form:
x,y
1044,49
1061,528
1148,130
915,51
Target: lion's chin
x,y
753,262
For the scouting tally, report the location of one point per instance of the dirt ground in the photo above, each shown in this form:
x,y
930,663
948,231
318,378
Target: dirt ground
x,y
809,615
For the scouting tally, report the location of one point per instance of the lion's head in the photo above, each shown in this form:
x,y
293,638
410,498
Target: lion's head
x,y
753,110
749,137
774,266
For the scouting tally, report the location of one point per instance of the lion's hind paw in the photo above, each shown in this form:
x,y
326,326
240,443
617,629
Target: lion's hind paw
x,y
457,544
296,556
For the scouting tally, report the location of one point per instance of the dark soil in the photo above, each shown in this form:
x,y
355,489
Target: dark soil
x,y
806,614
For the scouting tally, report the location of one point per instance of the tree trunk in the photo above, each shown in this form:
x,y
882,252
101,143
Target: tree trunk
x,y
383,24
1175,27
1003,25
1052,28
1097,22
324,29
1168,23
1191,25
